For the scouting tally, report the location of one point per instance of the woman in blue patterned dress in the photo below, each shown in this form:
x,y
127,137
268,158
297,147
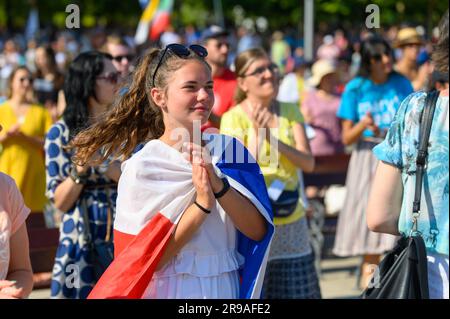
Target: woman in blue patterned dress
x,y
89,89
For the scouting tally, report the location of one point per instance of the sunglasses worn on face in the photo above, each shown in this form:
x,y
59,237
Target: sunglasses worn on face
x,y
119,58
182,52
29,79
221,44
112,78
379,57
273,68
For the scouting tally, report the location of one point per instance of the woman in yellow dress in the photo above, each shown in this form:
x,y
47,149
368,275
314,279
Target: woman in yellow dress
x,y
274,134
22,139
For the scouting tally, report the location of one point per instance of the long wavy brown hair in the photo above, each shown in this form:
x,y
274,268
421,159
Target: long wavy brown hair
x,y
135,118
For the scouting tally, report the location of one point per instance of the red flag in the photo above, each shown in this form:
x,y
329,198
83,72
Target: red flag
x,y
136,260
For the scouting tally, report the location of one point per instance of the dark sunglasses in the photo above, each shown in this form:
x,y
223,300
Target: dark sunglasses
x,y
29,79
221,44
112,78
379,57
273,68
119,58
182,52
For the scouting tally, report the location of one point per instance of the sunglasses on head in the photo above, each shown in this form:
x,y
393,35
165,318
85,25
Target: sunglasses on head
x,y
182,52
119,58
112,78
273,68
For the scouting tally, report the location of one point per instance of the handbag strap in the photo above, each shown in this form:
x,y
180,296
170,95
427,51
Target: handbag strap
x,y
426,121
87,228
85,214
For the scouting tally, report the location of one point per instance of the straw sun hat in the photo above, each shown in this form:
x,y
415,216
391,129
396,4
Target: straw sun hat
x,y
319,70
408,36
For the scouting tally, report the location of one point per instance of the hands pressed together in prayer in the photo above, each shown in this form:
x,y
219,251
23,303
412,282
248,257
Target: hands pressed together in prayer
x,y
204,178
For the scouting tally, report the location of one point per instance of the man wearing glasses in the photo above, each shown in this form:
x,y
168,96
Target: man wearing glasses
x,y
215,40
121,52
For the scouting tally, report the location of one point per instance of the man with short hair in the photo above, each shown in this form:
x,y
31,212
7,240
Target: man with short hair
x,y
121,52
215,40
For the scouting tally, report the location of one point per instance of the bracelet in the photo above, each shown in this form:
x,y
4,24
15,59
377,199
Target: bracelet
x,y
206,211
226,187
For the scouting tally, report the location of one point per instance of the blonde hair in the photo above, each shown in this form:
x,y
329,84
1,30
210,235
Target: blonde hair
x,y
242,63
135,118
114,39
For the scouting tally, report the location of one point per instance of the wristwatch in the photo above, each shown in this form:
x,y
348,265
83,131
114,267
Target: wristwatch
x,y
226,187
78,178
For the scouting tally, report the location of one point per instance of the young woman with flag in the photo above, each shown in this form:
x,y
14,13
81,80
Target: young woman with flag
x,y
191,221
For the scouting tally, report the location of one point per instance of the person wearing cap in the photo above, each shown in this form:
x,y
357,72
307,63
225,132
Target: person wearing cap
x,y
215,40
319,108
409,42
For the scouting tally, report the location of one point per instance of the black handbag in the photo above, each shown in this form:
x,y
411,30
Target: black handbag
x,y
403,272
286,204
101,254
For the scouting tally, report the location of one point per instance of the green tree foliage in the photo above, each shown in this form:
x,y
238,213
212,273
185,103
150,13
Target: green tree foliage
x,y
280,13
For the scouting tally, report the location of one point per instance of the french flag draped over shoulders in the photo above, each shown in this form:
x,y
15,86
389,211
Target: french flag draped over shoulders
x,y
154,190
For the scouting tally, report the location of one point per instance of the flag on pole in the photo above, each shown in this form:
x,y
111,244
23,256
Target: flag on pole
x,y
154,20
149,209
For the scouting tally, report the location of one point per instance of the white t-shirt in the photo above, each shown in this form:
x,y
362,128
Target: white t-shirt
x,y
288,91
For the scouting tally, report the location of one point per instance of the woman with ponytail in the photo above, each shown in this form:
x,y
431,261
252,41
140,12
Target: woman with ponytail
x,y
190,222
84,194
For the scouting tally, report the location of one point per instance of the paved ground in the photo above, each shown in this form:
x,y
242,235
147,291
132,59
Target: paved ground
x,y
337,280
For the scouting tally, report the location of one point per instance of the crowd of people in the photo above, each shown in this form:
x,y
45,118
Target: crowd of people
x,y
130,145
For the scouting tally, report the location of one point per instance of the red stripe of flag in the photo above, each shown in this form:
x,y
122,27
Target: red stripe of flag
x,y
136,259
159,25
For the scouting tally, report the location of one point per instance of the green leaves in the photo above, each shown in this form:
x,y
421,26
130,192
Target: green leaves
x,y
280,13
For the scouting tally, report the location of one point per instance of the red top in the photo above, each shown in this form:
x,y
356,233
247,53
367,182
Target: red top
x,y
224,89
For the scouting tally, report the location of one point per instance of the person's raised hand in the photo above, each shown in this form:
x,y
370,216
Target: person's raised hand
x,y
205,195
370,123
201,154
